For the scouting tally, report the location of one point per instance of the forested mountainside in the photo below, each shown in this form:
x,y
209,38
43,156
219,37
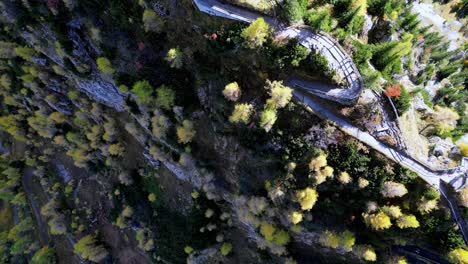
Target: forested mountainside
x,y
197,131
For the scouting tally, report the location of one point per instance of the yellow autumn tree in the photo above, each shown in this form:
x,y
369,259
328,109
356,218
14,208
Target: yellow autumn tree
x,y
426,205
307,198
186,132
463,148
329,239
280,95
295,217
398,260
344,177
393,211
232,91
241,113
362,183
318,162
407,221
458,256
366,252
377,221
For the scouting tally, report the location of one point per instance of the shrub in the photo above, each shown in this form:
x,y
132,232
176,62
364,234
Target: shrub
x,y
105,66
165,97
241,113
256,33
186,132
232,91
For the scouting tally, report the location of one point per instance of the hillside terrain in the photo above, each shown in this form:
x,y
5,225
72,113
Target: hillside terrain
x,y
233,131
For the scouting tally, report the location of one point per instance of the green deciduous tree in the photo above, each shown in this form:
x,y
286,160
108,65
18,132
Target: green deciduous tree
x,y
105,65
256,33
89,249
407,221
44,255
268,119
165,97
144,92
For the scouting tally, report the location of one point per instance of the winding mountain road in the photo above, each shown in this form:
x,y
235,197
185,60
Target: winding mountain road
x,y
341,62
